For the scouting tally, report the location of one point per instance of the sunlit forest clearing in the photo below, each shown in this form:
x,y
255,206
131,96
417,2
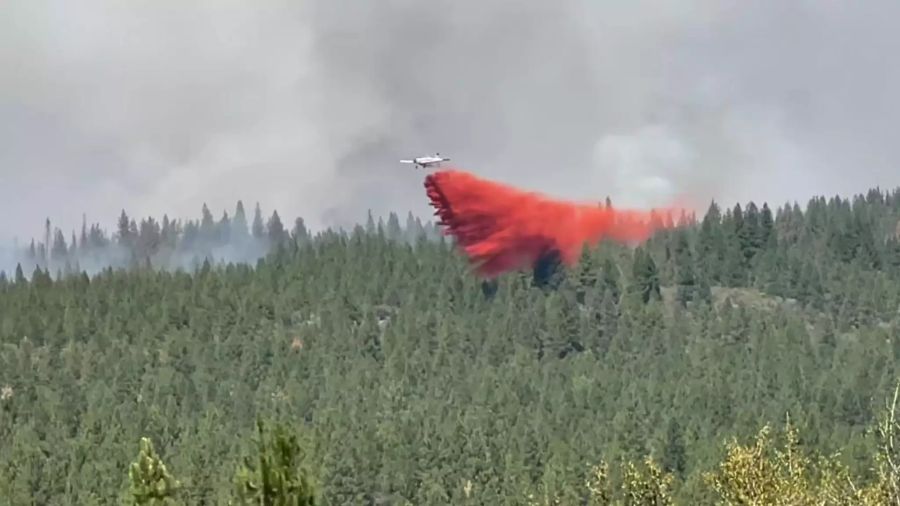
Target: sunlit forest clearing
x,y
747,357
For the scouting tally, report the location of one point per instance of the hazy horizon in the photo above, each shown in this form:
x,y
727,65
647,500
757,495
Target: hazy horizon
x,y
307,107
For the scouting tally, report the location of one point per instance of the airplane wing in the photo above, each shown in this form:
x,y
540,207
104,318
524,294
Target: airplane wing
x,y
407,161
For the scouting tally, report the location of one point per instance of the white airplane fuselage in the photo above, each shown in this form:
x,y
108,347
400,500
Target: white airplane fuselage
x,y
426,161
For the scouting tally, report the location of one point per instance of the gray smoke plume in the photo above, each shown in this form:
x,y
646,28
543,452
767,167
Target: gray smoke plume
x,y
306,107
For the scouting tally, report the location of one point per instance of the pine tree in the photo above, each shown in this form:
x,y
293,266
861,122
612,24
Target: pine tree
x,y
149,239
207,225
299,232
150,480
734,273
239,229
276,474
609,279
223,229
275,229
370,223
124,231
710,245
586,275
750,233
20,276
393,230
548,271
674,458
59,251
767,236
258,228
686,277
607,323
414,228
645,276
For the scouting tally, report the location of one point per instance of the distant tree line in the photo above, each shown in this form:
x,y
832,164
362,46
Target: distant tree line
x,y
175,244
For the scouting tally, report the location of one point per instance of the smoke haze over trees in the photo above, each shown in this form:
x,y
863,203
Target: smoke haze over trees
x,y
308,106
240,237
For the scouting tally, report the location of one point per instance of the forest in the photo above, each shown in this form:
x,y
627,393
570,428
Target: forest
x,y
746,357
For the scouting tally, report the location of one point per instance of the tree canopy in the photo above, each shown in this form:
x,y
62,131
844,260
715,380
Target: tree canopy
x,y
409,382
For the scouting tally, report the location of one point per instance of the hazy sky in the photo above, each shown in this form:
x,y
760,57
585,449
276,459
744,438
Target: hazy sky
x,y
306,106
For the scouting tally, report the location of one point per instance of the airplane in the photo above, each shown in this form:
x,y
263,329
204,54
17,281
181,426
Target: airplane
x,y
427,161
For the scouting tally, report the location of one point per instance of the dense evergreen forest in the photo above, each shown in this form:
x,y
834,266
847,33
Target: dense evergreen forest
x,y
408,381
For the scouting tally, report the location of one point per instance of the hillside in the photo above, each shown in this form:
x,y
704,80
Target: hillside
x,y
410,381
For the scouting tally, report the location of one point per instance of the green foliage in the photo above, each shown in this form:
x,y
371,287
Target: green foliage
x,y
414,384
150,480
760,473
645,276
274,476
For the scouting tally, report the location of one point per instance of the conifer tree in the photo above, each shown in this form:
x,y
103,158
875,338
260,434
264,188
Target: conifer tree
x,y
20,275
59,251
239,225
710,245
207,225
150,481
686,277
393,230
768,239
299,233
275,475
276,230
586,275
124,231
258,229
645,276
610,279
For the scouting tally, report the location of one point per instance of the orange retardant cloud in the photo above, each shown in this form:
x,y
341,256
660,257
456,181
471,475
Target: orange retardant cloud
x,y
501,228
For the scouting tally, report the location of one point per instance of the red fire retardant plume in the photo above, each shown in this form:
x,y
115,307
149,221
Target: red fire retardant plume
x,y
501,228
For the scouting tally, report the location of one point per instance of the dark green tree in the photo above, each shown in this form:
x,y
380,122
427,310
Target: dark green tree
x,y
645,276
276,474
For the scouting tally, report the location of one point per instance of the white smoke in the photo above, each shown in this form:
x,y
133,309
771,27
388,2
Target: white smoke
x,y
306,107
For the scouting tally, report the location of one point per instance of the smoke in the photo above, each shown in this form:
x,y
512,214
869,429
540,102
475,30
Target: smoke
x,y
502,228
307,106
176,245
170,245
7,259
641,101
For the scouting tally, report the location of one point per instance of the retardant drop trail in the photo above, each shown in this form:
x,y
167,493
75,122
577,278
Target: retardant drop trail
x,y
501,228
